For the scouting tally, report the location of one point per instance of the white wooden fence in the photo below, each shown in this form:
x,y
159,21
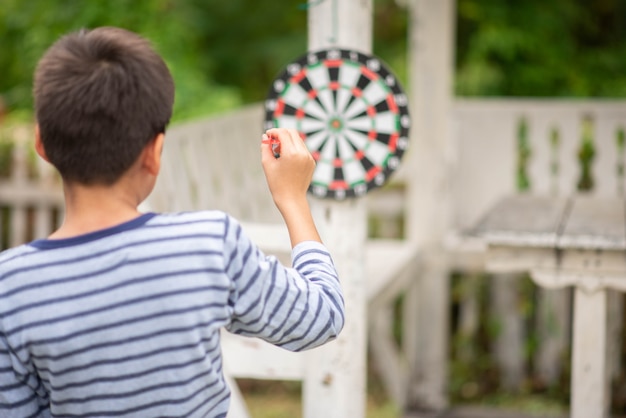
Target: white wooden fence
x,y
497,145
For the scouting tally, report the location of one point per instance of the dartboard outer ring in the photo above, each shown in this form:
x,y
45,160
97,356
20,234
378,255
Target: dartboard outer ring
x,y
351,112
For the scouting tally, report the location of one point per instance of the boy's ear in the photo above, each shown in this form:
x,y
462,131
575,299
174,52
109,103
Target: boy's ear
x,y
152,154
39,145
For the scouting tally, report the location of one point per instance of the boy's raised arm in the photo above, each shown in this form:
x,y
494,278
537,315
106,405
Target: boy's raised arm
x,y
288,178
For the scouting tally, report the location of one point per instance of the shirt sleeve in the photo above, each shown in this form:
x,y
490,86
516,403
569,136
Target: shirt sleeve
x,y
295,308
18,399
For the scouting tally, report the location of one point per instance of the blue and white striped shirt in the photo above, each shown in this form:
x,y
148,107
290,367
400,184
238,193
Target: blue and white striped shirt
x,y
125,321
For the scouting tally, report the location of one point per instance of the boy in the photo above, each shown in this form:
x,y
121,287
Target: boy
x,y
118,313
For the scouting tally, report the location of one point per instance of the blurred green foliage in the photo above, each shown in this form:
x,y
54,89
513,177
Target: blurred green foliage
x,y
225,53
563,48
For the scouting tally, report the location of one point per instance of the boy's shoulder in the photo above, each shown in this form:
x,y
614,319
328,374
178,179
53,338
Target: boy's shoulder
x,y
183,219
14,253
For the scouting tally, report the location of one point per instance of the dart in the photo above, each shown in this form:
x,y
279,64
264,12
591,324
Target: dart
x,y
275,143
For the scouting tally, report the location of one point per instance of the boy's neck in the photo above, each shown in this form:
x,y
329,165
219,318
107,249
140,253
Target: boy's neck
x,y
95,207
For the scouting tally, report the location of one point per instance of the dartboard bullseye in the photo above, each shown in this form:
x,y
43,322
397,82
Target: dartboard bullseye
x,y
351,112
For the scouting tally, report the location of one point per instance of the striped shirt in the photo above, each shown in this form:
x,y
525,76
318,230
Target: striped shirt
x,y
125,321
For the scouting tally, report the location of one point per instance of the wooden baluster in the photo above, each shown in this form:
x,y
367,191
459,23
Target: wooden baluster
x,y
505,289
19,176
555,142
552,305
523,156
620,143
586,154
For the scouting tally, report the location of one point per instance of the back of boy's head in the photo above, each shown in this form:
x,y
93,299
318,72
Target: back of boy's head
x,y
100,97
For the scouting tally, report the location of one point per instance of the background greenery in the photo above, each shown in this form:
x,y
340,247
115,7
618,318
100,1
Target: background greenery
x,y
225,53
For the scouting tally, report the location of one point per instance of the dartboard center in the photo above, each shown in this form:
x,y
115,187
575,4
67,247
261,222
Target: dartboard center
x,y
335,124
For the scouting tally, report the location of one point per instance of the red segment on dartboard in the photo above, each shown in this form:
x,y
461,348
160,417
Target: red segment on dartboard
x,y
298,77
312,94
372,135
337,162
391,102
338,185
393,141
369,73
372,172
334,85
316,155
333,63
300,113
358,155
280,107
371,111
357,92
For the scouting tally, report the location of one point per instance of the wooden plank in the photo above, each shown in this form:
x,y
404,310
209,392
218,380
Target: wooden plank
x,y
430,158
523,220
336,372
502,258
595,223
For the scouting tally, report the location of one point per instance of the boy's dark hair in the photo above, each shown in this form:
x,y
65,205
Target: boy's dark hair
x,y
100,97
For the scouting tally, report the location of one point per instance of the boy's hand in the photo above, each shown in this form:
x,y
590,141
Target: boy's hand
x,y
288,177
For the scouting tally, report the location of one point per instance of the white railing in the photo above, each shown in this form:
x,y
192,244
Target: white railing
x,y
31,202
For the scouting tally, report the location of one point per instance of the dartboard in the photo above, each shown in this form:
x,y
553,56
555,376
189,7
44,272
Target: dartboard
x,y
352,114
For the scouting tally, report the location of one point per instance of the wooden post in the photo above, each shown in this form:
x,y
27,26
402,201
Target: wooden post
x,y
429,196
335,380
590,391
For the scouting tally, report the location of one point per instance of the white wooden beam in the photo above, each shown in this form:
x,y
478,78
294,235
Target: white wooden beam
x,y
335,382
429,194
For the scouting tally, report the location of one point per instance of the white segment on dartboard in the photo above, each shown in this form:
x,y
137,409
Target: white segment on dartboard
x,y
314,141
313,108
311,125
327,153
326,97
346,152
357,107
288,121
353,171
363,123
377,152
358,139
343,97
347,155
295,95
386,122
325,171
318,77
374,93
349,75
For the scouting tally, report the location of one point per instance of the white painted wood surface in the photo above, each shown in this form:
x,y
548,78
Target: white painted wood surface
x,y
335,381
431,38
589,253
